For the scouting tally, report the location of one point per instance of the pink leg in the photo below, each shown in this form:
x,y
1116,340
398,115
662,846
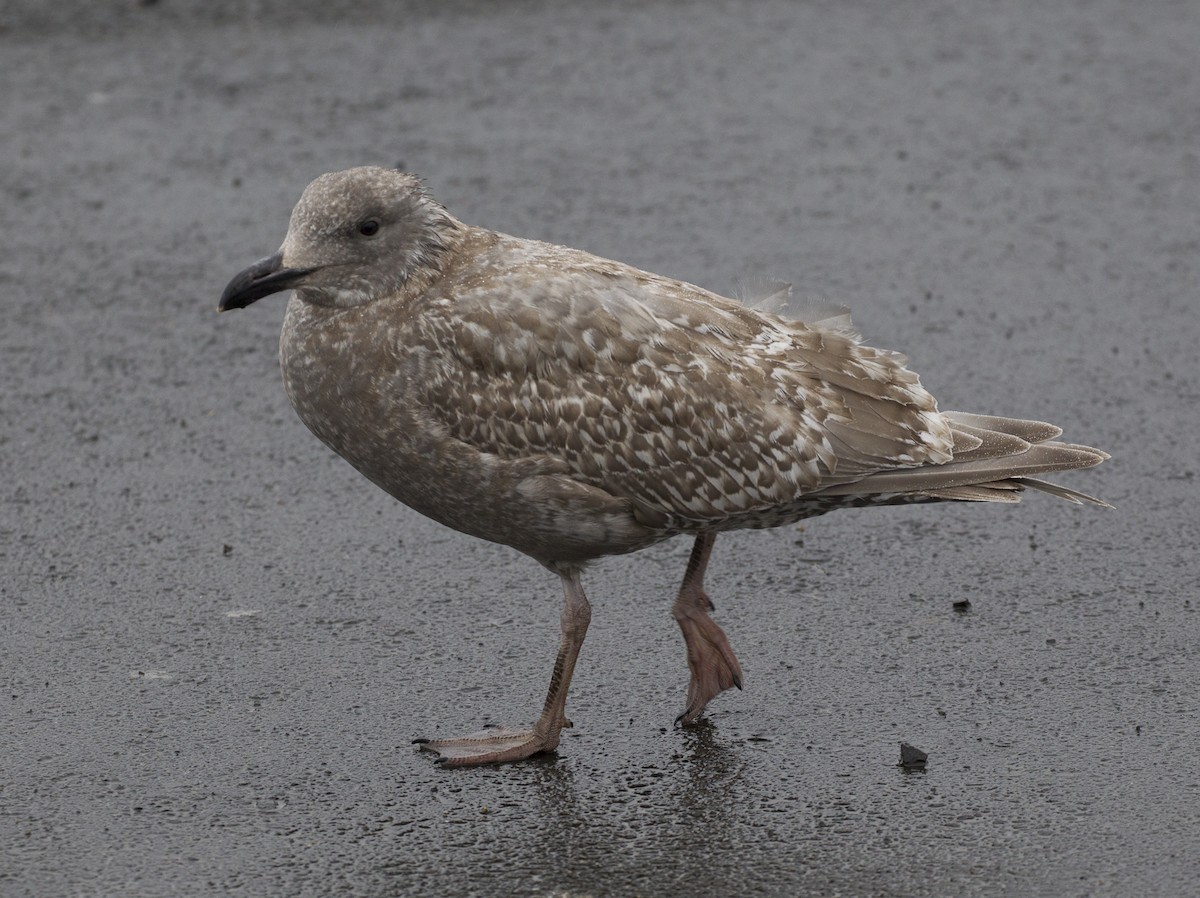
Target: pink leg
x,y
500,745
714,666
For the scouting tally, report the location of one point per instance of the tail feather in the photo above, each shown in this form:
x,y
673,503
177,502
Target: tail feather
x,y
994,460
997,491
1063,492
1010,491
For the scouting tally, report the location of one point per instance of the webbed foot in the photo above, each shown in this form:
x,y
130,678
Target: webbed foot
x,y
494,745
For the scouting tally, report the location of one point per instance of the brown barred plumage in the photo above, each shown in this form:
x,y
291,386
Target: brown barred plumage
x,y
574,407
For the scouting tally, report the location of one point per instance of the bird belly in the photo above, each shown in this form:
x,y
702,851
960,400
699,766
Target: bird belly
x,y
361,409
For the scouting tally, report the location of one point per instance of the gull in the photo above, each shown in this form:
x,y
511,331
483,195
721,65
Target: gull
x,y
574,407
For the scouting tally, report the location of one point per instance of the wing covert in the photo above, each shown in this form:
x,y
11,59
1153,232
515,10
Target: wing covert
x,y
687,404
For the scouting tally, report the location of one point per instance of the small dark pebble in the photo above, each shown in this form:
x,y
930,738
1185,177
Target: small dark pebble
x,y
911,756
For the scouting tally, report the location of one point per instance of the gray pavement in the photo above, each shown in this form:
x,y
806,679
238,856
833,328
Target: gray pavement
x,y
218,642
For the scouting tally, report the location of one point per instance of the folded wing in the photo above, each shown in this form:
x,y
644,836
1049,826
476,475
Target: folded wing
x,y
693,407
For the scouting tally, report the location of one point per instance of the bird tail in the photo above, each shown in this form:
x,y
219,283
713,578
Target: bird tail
x,y
994,460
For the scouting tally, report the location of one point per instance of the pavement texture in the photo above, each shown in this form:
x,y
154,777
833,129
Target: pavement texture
x,y
218,641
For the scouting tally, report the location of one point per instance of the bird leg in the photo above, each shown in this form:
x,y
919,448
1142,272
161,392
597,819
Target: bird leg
x,y
714,666
500,745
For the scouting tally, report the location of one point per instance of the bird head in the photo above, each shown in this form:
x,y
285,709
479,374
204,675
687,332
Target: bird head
x,y
355,236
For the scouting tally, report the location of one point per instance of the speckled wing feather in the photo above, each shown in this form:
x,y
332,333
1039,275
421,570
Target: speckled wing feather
x,y
693,407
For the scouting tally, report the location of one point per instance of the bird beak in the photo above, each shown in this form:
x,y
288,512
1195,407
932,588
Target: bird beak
x,y
261,279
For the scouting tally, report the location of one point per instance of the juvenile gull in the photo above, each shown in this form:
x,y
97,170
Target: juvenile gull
x,y
573,407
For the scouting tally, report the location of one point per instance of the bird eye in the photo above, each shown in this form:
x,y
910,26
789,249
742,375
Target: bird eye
x,y
369,227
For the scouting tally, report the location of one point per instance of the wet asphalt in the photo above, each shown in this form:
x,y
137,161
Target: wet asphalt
x,y
218,642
